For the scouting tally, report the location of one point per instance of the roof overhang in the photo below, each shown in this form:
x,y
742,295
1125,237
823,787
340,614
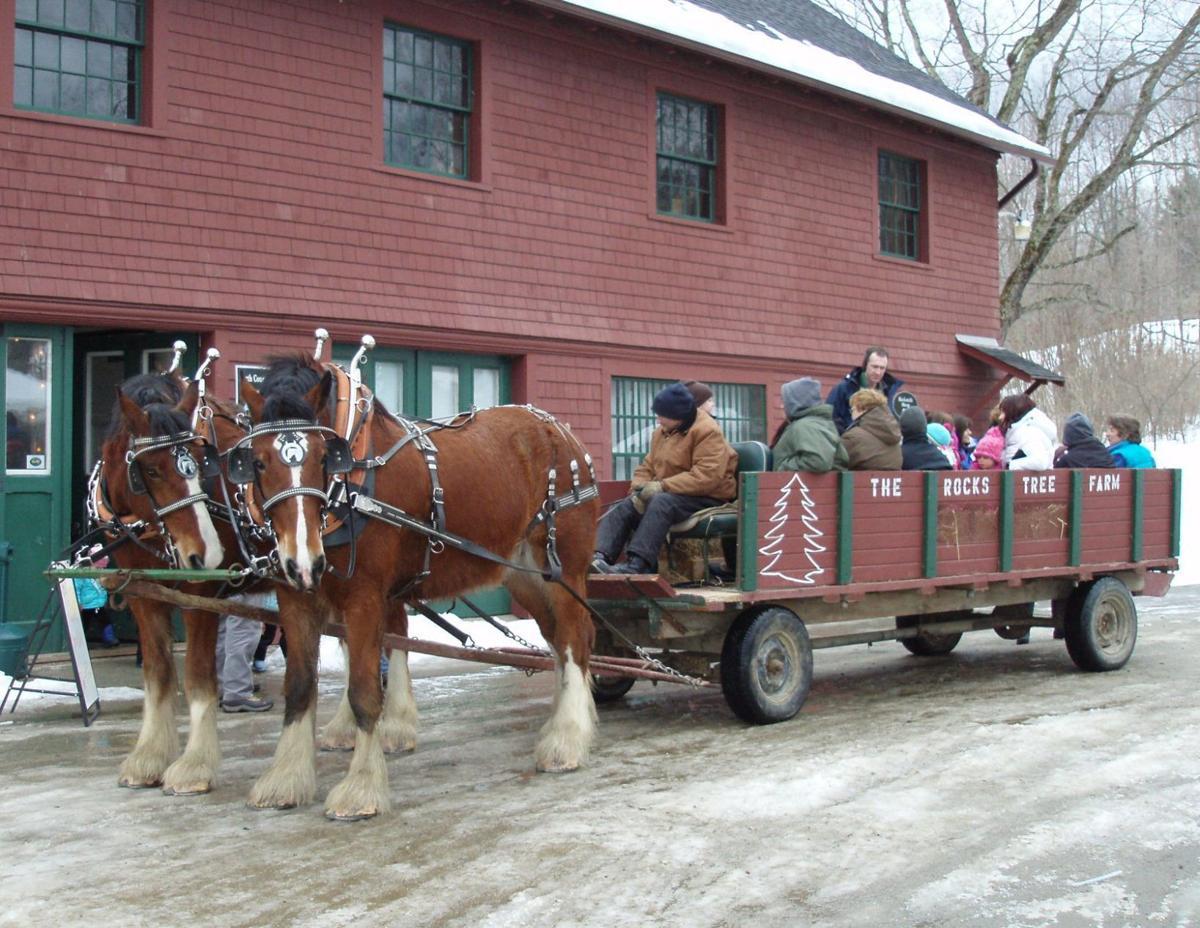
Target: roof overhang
x,y
988,351
863,87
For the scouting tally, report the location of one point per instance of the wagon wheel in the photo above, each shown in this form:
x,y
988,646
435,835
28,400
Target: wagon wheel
x,y
1013,611
766,665
610,689
1102,632
927,644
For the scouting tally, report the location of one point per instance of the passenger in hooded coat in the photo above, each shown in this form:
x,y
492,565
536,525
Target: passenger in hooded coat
x,y
873,439
916,449
1081,447
810,441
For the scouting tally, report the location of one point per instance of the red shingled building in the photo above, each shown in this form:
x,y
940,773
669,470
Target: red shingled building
x,y
540,201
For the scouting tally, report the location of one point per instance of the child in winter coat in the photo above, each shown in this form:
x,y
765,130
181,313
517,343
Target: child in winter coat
x,y
1081,447
989,451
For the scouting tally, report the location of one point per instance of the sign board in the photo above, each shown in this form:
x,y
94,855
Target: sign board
x,y
81,658
255,374
902,402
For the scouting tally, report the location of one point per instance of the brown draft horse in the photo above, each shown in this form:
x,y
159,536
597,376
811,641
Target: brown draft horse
x,y
494,473
154,413
157,409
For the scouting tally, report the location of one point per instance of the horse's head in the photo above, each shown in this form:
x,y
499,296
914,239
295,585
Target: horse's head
x,y
153,464
288,458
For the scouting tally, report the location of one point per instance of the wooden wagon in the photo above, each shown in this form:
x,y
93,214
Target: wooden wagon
x,y
921,557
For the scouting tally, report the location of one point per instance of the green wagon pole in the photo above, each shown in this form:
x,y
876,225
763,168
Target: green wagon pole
x,y
157,573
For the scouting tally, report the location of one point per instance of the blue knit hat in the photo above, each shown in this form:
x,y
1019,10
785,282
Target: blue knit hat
x,y
674,402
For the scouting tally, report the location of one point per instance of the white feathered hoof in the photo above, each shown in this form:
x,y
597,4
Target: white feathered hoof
x,y
398,736
188,777
142,770
364,791
283,789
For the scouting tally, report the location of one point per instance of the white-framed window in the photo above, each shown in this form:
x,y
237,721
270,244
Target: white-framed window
x,y
27,405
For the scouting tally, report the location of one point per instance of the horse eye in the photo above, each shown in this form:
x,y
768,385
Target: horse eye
x,y
152,472
260,466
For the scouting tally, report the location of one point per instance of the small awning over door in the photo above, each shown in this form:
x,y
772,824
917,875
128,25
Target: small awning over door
x,y
1009,363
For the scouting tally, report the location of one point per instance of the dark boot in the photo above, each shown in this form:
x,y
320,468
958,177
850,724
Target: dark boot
x,y
635,565
600,564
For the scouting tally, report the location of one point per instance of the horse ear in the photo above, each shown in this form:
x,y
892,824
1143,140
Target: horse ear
x,y
253,400
134,416
318,396
191,396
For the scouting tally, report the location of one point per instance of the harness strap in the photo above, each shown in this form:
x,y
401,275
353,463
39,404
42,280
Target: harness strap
x,y
446,626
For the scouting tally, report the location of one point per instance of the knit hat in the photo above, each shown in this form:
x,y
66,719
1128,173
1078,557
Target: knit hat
x,y
799,395
674,402
701,392
938,433
991,445
912,424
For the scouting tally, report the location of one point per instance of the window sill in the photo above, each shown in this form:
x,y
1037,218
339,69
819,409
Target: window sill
x,y
434,178
63,119
903,262
693,224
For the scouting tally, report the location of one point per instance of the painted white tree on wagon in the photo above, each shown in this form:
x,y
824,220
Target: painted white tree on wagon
x,y
794,502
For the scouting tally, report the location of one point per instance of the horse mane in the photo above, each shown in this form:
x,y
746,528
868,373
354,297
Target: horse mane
x,y
289,379
157,394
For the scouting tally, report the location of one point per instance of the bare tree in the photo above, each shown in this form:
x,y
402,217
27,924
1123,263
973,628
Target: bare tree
x,y
1107,85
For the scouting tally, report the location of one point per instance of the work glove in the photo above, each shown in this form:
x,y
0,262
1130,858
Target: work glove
x,y
650,490
638,505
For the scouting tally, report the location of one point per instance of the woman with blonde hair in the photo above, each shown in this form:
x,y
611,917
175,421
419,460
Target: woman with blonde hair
x,y
872,441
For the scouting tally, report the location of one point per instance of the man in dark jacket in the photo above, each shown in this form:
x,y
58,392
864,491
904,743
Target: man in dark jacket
x,y
690,467
1081,447
873,375
918,451
810,441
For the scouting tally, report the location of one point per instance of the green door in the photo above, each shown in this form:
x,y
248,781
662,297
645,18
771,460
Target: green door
x,y
433,385
35,490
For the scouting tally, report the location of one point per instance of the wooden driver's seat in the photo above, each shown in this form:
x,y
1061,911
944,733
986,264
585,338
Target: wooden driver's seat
x,y
722,521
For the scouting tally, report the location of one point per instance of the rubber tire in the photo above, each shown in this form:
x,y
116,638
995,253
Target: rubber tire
x,y
609,689
766,665
929,644
1101,635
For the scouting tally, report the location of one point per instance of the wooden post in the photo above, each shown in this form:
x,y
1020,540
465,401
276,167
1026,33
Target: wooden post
x,y
1139,510
845,542
1006,520
1075,516
748,542
930,521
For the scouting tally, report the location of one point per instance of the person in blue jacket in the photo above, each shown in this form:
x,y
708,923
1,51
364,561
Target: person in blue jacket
x,y
1124,434
873,375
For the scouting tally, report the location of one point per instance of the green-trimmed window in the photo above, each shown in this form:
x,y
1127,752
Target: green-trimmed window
x,y
900,197
79,57
740,408
427,101
687,158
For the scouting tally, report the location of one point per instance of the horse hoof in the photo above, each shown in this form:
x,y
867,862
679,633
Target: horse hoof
x,y
401,747
335,816
128,783
557,767
188,789
336,745
270,806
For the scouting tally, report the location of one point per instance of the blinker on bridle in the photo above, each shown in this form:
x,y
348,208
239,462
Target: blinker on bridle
x,y
184,461
292,448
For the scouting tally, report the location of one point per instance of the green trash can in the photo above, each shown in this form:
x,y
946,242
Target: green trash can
x,y
13,642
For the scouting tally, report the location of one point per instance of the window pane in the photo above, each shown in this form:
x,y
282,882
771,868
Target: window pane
x,y
50,12
487,387
78,15
389,385
104,17
45,90
27,10
45,50
157,360
23,87
104,374
27,398
23,47
443,390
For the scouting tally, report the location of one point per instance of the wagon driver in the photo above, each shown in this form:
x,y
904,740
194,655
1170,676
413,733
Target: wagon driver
x,y
690,467
871,375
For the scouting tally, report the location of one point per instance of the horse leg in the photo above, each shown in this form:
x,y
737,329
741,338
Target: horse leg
x,y
363,792
291,780
398,725
158,740
567,735
338,733
196,769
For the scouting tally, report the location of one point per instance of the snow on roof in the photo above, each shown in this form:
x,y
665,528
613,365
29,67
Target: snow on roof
x,y
832,56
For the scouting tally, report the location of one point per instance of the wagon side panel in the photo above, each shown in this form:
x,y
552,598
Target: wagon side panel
x,y
797,529
968,526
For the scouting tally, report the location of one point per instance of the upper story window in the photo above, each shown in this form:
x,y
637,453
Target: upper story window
x,y
80,57
901,195
427,99
688,150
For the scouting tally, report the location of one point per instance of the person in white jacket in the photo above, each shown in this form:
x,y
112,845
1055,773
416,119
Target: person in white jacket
x,y
1029,434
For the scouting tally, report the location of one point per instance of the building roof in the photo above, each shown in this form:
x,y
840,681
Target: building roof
x,y
801,42
989,351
